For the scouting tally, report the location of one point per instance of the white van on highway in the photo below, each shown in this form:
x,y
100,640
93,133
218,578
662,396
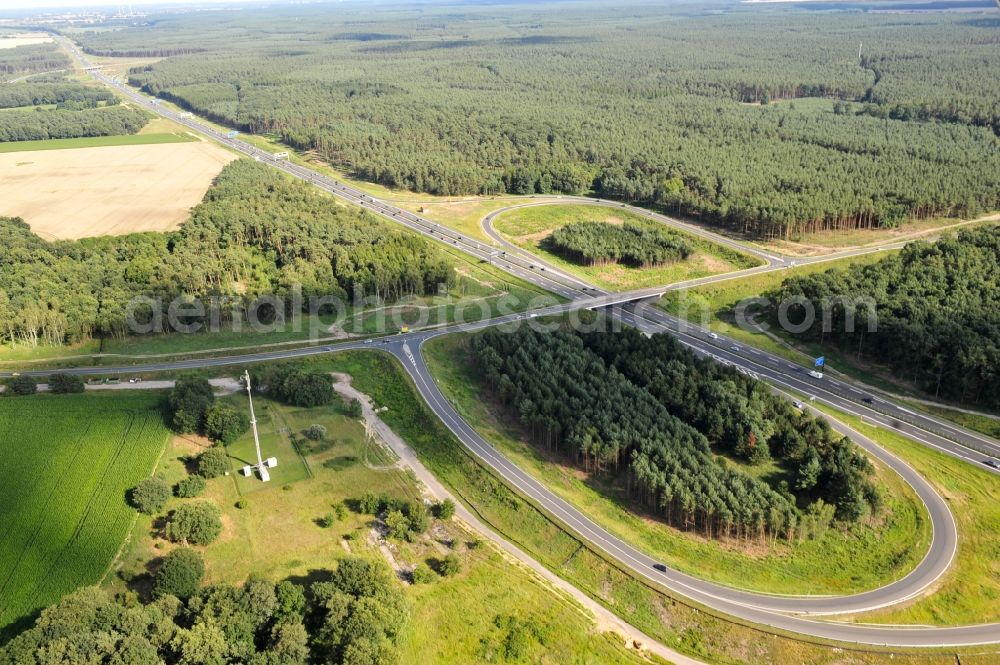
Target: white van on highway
x,y
816,375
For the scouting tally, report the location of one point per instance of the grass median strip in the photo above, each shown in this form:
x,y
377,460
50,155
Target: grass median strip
x,y
969,592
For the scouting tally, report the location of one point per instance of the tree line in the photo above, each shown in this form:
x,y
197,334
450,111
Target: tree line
x,y
353,617
935,308
714,126
32,58
655,423
255,233
598,243
65,93
64,123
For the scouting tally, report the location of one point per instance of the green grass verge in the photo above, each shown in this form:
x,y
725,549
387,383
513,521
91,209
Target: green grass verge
x,y
527,227
94,142
842,561
970,592
975,421
66,463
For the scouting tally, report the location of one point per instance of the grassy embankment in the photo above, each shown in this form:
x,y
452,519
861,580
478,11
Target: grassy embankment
x,y
970,592
94,142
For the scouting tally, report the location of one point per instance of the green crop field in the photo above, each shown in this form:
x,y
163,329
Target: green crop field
x,y
95,142
67,463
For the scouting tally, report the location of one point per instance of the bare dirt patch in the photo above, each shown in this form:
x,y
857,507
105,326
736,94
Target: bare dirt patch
x,y
712,263
534,237
112,190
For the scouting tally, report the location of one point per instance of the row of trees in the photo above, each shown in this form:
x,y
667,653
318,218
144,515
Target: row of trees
x,y
256,233
931,313
354,618
613,417
597,243
58,384
458,109
66,93
66,123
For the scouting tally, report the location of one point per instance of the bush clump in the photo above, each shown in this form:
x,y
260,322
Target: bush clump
x,y
189,487
316,433
189,401
444,510
198,522
295,385
22,385
150,495
449,566
66,383
422,575
213,463
224,423
180,574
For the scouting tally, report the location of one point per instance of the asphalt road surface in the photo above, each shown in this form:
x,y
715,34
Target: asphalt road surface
x,y
794,614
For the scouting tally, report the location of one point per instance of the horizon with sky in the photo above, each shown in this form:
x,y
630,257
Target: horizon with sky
x,y
99,4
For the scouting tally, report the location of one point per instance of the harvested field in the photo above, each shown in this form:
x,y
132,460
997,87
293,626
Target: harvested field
x,y
112,190
23,39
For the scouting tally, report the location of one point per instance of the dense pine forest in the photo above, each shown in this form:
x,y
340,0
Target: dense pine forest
x,y
650,414
64,123
764,119
52,107
32,59
596,243
65,94
937,310
255,233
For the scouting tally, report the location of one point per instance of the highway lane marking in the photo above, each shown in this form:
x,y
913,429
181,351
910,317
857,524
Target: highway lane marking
x,y
586,528
502,463
238,360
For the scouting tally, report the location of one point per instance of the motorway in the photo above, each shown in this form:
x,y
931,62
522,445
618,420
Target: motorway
x,y
516,262
934,432
794,614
